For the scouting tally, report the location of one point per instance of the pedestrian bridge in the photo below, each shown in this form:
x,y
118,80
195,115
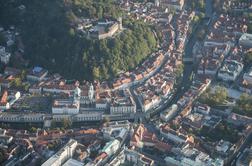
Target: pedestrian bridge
x,y
188,60
140,117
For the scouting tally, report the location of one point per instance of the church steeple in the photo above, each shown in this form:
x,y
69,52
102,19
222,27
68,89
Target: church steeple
x,y
77,93
91,92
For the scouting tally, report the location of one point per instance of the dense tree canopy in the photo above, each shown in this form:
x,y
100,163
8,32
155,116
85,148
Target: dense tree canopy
x,y
244,105
197,5
51,40
2,158
223,131
216,97
248,59
123,52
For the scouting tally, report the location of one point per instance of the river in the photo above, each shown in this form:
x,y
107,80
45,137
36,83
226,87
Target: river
x,y
189,68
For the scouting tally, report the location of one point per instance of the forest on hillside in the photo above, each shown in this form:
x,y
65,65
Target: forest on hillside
x,y
52,42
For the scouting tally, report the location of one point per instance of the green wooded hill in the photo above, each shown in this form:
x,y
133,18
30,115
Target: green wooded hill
x,y
51,40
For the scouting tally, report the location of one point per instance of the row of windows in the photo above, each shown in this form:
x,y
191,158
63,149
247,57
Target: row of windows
x,y
20,118
124,109
82,118
88,118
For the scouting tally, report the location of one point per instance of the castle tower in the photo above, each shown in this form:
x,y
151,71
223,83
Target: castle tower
x,y
120,23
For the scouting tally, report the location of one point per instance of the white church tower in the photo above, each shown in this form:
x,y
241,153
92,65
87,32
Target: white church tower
x,y
91,92
77,93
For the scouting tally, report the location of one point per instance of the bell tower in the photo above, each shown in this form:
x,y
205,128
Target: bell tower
x,y
91,92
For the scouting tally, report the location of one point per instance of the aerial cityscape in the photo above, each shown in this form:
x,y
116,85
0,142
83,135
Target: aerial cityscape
x,y
125,82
